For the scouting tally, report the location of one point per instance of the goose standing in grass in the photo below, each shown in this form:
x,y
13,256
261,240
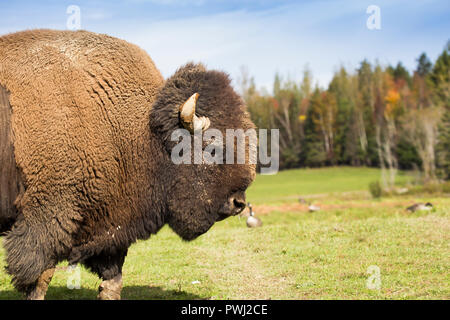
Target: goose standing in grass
x,y
420,207
252,221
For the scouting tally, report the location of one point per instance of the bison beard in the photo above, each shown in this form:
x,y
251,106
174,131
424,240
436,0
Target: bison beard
x,y
85,128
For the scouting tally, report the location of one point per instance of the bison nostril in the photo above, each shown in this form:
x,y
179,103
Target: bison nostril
x,y
239,204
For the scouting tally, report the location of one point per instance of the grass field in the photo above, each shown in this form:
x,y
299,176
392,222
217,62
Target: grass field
x,y
287,186
296,254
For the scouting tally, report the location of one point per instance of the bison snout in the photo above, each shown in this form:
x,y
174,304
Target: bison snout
x,y
233,206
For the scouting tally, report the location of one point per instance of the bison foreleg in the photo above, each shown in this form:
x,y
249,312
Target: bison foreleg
x,y
39,291
110,289
108,266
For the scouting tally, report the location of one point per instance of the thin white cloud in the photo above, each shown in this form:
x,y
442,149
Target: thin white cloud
x,y
96,15
266,41
281,38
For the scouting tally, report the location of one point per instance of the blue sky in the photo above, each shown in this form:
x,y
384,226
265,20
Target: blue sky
x,y
265,36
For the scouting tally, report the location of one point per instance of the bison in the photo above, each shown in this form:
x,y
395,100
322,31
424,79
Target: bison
x,y
85,142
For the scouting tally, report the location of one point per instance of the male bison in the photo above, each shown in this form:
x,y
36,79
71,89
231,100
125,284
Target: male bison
x,y
85,153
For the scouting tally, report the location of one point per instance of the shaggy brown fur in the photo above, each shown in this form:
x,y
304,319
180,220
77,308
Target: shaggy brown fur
x,y
91,122
10,182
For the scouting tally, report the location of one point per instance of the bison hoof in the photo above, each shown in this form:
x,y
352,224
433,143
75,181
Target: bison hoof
x,y
39,291
110,289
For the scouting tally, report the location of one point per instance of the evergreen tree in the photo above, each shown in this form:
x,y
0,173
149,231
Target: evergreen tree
x,y
443,147
313,152
399,73
346,138
364,117
424,65
440,75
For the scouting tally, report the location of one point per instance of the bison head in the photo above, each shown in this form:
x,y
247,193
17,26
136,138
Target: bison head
x,y
198,195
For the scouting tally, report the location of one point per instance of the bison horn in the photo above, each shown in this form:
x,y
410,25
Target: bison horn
x,y
188,118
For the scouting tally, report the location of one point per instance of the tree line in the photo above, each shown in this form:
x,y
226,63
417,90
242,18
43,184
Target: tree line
x,y
380,116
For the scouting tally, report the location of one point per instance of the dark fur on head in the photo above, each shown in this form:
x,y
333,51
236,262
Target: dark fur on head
x,y
199,191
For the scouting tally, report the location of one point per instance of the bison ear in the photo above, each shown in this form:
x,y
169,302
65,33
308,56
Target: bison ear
x,y
188,118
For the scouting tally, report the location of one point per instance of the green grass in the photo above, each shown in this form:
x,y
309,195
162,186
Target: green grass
x,y
288,185
296,254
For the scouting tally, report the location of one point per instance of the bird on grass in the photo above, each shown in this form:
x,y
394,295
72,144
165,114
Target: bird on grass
x,y
252,221
420,207
313,208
